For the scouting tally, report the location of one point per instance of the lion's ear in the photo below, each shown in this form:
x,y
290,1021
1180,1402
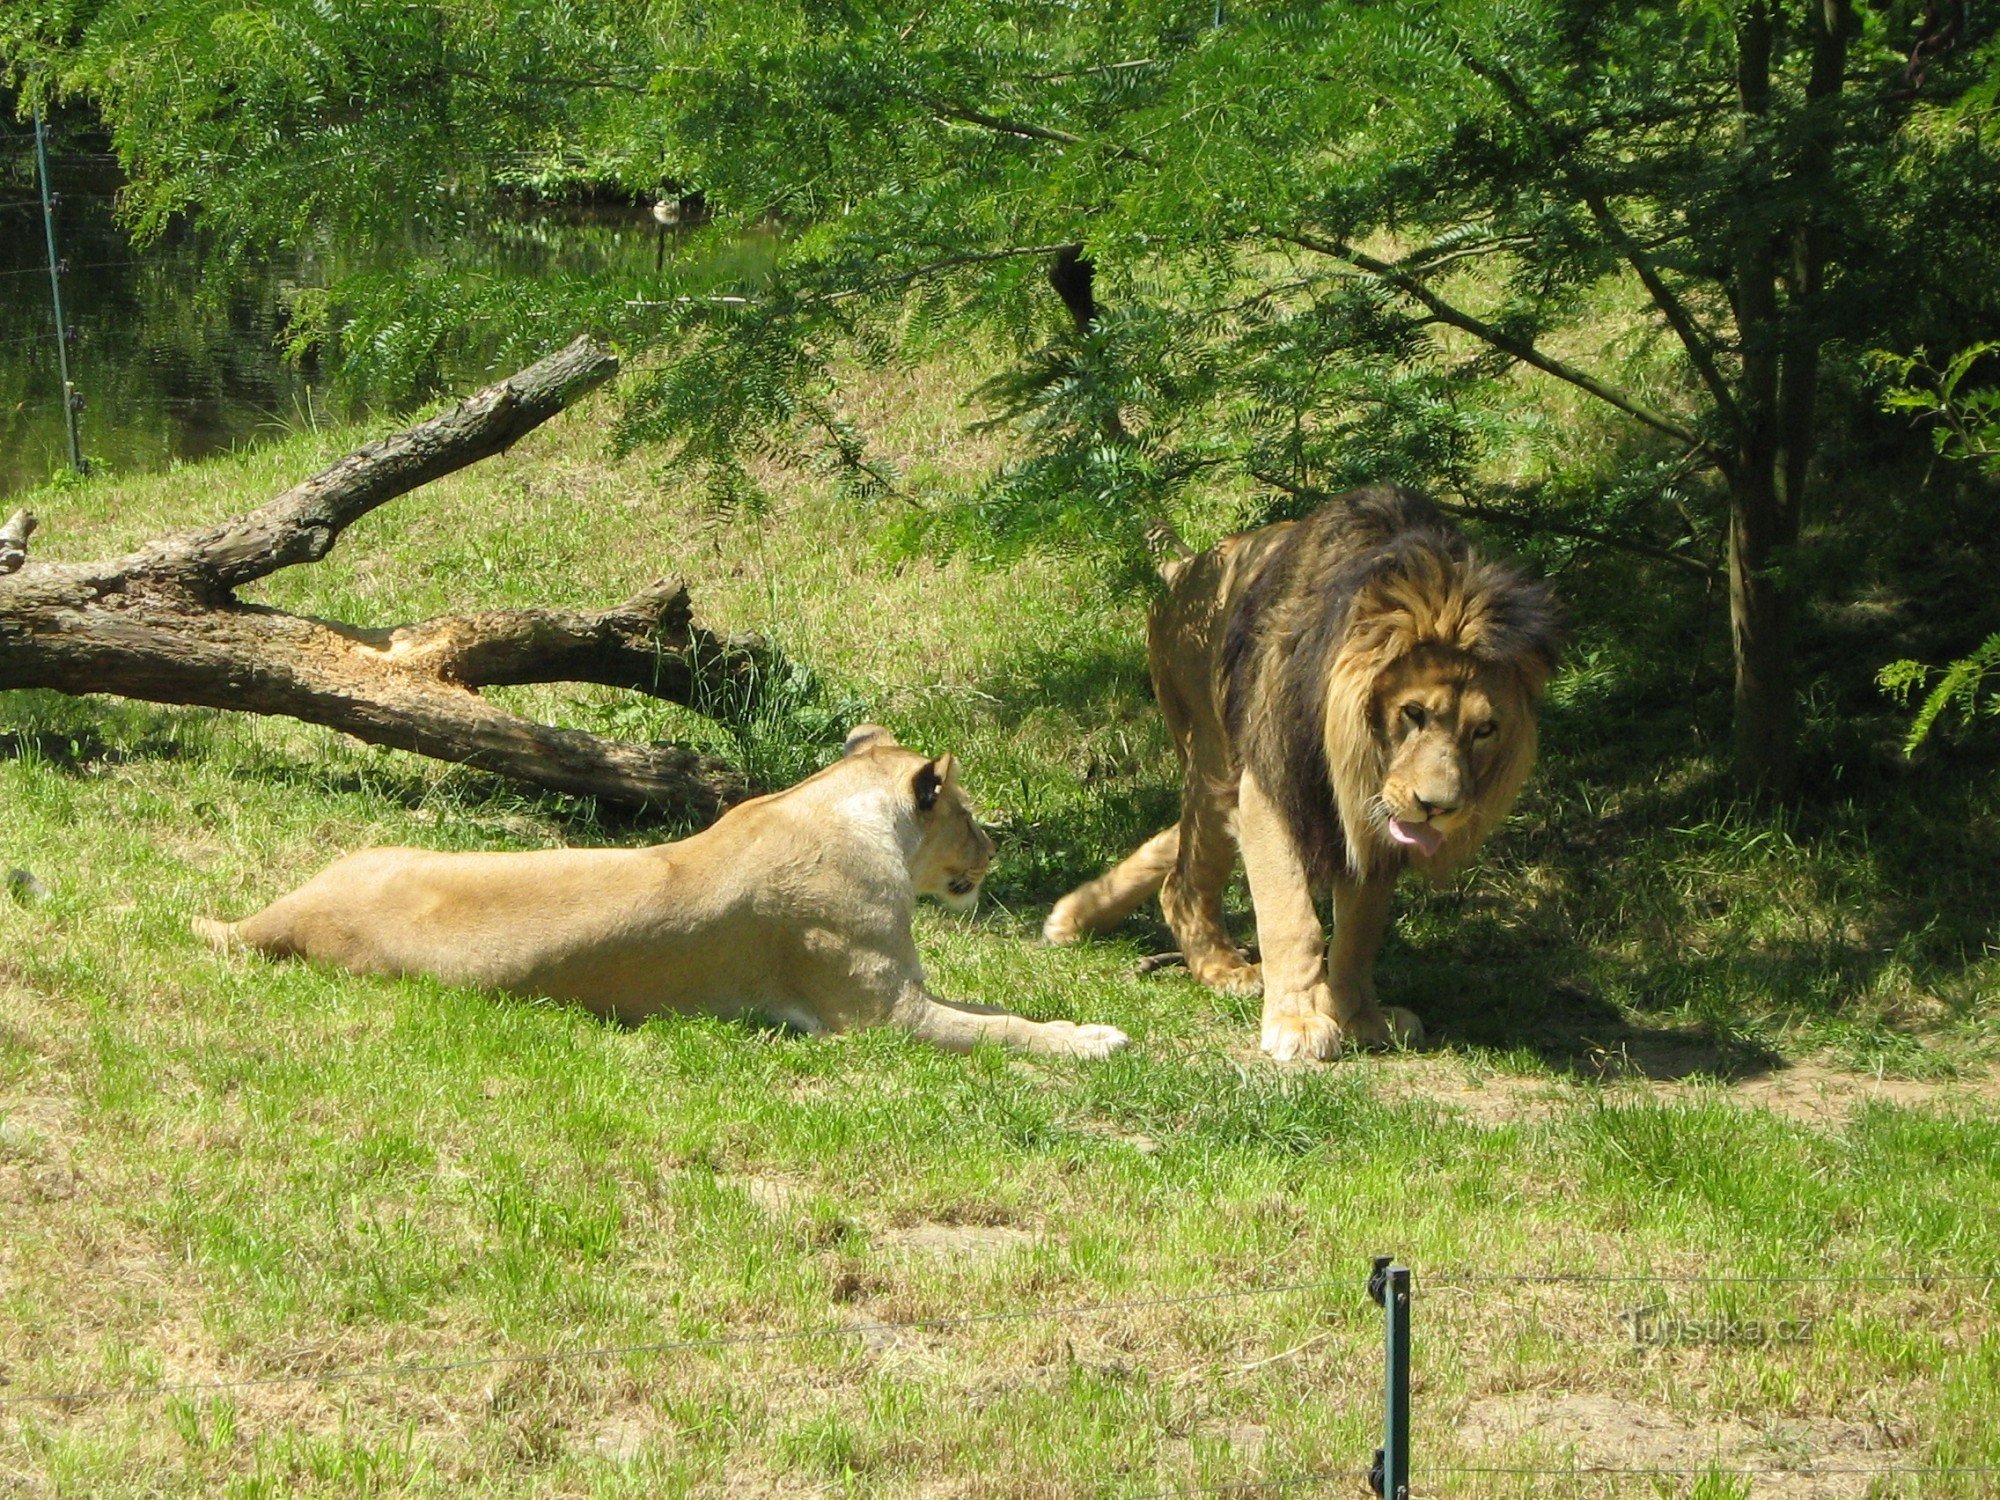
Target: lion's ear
x,y
932,777
867,737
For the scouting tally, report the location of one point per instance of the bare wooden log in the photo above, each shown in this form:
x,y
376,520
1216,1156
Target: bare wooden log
x,y
302,524
163,624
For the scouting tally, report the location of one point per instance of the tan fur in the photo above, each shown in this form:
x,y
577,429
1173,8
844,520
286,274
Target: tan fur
x,y
795,906
1425,664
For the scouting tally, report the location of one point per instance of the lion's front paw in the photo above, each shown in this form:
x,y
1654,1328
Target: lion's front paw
x,y
1231,977
1301,1037
1384,1030
1064,925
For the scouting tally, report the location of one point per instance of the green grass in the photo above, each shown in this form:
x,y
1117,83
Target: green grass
x,y
220,1170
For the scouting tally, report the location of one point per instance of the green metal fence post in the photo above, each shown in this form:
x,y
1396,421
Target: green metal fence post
x,y
1389,1285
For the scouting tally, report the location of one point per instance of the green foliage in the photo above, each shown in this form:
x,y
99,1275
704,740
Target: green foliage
x,y
1328,242
1522,160
1963,685
1965,426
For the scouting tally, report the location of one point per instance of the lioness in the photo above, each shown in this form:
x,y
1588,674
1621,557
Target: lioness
x,y
1350,695
796,905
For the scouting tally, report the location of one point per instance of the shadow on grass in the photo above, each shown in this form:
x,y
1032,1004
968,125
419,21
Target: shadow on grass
x,y
1636,917
1085,686
71,751
1567,1025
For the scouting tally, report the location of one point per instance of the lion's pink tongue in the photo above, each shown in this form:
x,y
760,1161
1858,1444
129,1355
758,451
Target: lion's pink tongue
x,y
1419,836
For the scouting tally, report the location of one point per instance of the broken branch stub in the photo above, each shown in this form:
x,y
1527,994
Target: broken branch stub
x,y
14,540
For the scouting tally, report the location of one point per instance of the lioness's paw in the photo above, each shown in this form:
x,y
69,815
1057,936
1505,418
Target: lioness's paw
x,y
1310,1037
1099,1041
1069,1039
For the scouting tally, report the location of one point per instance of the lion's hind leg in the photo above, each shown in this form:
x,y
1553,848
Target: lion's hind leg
x,y
1191,899
1103,903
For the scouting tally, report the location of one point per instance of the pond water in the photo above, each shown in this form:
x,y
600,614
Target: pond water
x,y
170,365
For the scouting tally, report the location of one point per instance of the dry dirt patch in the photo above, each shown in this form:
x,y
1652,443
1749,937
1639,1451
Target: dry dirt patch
x,y
779,1196
1816,1093
1564,1429
1811,1092
958,1241
35,1131
1487,1099
776,1196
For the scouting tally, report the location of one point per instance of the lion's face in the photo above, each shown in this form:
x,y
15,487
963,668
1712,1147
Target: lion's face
x,y
1430,706
1449,739
1451,728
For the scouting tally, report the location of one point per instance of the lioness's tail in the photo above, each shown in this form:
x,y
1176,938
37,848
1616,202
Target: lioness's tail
x,y
1108,900
221,936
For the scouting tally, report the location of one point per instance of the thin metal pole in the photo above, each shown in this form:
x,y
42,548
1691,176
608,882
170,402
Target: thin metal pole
x,y
55,292
1396,1409
1389,1285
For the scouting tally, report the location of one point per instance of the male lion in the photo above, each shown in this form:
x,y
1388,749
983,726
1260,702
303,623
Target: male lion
x,y
1351,695
796,905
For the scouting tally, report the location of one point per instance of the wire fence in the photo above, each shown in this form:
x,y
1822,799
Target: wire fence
x,y
68,267
1409,1480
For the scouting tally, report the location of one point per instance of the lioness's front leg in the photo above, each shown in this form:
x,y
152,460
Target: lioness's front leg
x,y
959,1027
1300,1020
1360,917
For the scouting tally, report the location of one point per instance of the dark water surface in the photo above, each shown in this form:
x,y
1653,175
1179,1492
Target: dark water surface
x,y
172,365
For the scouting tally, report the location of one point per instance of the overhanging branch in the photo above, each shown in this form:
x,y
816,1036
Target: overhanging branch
x,y
1002,126
1532,525
1520,349
1700,349
881,283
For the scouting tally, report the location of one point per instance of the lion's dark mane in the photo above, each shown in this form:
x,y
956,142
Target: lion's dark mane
x,y
1290,623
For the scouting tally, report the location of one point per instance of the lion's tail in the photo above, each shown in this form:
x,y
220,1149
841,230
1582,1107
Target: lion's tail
x,y
1103,903
1170,553
221,936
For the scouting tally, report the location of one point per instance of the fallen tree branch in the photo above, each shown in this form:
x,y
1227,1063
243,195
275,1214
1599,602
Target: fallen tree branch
x,y
163,624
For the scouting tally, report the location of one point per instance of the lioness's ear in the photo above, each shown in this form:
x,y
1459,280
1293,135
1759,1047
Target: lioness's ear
x,y
931,778
866,737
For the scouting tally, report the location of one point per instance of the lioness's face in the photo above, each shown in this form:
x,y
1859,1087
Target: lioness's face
x,y
954,853
1446,722
953,850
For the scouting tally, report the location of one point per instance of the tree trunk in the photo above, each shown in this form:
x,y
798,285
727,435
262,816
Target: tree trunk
x,y
1781,359
1761,520
1761,604
163,624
